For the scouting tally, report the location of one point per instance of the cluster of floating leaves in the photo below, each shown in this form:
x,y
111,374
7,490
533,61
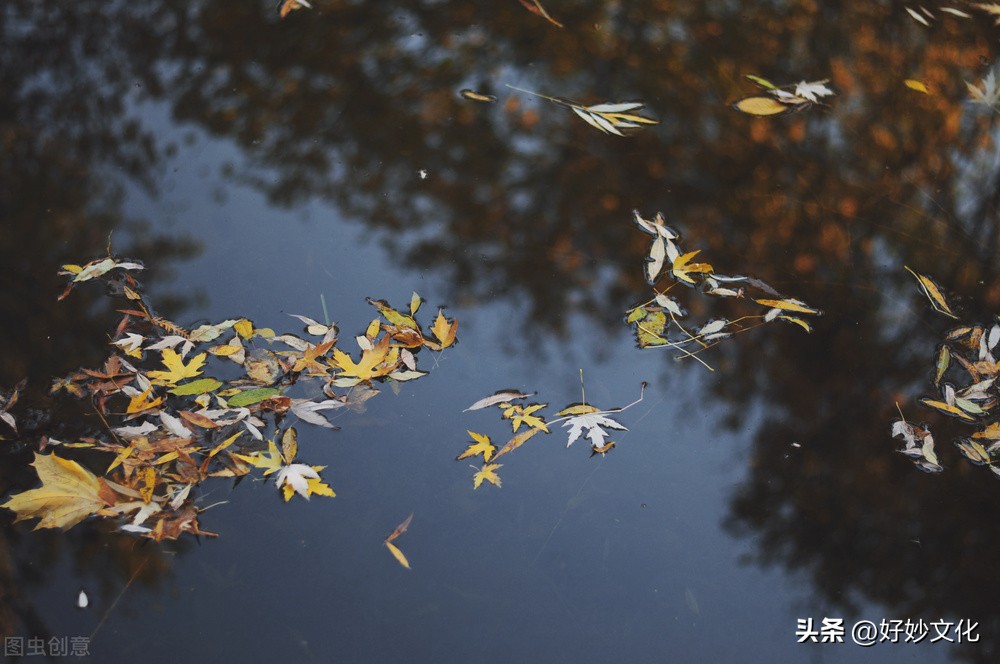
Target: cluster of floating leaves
x,y
779,100
966,370
659,321
168,428
582,419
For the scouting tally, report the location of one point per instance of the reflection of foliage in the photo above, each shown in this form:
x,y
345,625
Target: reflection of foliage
x,y
177,428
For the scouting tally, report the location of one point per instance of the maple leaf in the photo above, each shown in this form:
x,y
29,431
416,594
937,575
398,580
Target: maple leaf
x,y
682,267
177,369
311,355
68,495
303,480
488,474
141,402
481,446
591,419
444,330
373,364
270,462
521,415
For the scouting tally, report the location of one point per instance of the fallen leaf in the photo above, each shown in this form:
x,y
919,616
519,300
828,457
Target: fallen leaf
x,y
933,293
68,495
535,7
487,474
498,397
481,446
397,554
177,369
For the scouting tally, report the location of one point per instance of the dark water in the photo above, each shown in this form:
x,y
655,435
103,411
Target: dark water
x,y
256,165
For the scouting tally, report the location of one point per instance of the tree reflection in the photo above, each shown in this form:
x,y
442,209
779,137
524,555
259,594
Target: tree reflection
x,y
349,103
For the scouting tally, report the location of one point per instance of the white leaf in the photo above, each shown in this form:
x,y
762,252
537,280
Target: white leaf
x,y
917,17
657,255
175,425
713,326
499,397
592,423
143,429
169,341
81,600
308,411
812,91
771,315
296,475
620,107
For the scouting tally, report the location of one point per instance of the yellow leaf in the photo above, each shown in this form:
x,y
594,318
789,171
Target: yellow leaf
x,y
68,495
578,409
289,444
270,462
681,268
515,442
916,85
481,446
762,105
226,443
798,321
488,473
148,484
933,293
398,555
244,328
368,366
444,330
519,416
141,402
177,369
949,409
310,356
316,487
789,305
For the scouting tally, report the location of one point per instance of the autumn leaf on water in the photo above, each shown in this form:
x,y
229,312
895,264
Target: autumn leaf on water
x,y
515,442
369,366
288,6
499,397
393,549
444,330
608,117
989,94
472,95
177,369
486,474
68,495
535,7
481,446
682,268
777,100
916,85
933,293
584,417
525,415
919,445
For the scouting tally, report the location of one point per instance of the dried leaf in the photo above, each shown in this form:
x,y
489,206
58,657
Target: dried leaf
x,y
498,397
933,293
535,7
68,495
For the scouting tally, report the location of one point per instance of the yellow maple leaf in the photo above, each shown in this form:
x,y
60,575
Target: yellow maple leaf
x,y
373,363
271,462
519,416
487,473
682,267
177,369
68,495
142,402
444,330
481,446
310,356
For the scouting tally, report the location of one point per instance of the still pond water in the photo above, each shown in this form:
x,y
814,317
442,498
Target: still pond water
x,y
261,167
